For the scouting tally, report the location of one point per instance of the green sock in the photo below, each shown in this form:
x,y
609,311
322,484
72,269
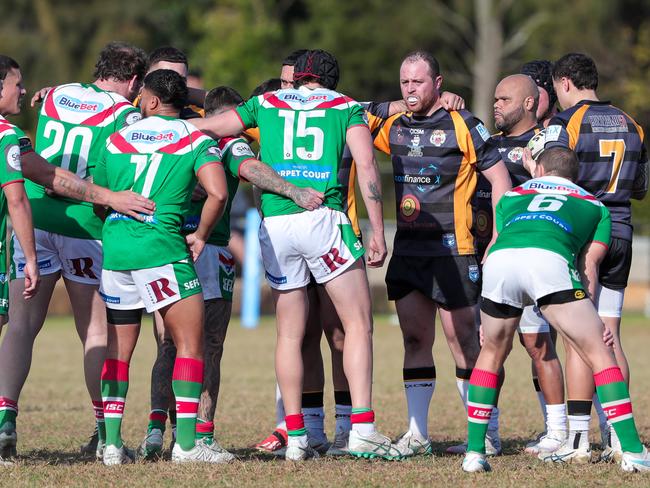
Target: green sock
x,y
115,385
204,430
187,381
615,400
157,420
481,397
8,412
98,408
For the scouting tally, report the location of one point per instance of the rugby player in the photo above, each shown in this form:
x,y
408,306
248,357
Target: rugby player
x,y
316,122
147,264
541,73
544,225
73,124
436,156
516,100
216,272
614,168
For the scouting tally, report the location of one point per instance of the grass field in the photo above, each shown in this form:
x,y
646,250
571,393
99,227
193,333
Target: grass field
x,y
55,418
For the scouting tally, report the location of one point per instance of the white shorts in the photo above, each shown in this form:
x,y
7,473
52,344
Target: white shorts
x,y
150,288
520,277
78,260
321,242
216,271
610,302
532,321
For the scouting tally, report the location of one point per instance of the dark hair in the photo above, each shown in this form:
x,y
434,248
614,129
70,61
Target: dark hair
x,y
541,71
168,86
219,97
293,57
120,61
560,161
269,85
316,65
427,57
166,53
579,68
6,65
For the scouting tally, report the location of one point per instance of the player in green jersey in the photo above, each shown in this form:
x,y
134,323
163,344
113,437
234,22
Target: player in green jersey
x,y
303,132
549,228
147,264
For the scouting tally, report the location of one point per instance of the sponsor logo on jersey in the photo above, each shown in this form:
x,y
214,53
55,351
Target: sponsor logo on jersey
x,y
579,294
575,276
483,224
214,151
133,117
516,153
449,240
70,103
191,285
438,137
240,149
427,176
45,264
484,194
608,123
3,277
540,185
415,150
552,133
109,298
4,303
160,289
147,219
191,222
333,260
152,137
278,280
297,97
416,131
543,217
83,267
303,171
409,208
473,272
13,157
482,131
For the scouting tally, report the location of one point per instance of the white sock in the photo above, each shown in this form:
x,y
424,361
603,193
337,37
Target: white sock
x,y
418,398
314,422
540,398
298,440
579,426
556,417
342,414
463,389
279,410
602,418
493,423
365,429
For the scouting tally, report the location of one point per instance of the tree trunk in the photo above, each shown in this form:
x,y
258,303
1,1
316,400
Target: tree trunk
x,y
487,60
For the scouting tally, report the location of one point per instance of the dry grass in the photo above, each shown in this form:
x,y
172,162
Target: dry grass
x,y
55,418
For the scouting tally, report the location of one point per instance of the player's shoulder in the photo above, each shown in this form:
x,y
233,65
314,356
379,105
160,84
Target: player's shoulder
x,y
555,185
304,98
237,146
7,128
472,122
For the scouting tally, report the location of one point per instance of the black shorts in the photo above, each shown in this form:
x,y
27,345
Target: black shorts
x,y
615,268
450,281
505,311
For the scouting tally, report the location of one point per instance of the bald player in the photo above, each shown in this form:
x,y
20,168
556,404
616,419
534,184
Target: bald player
x,y
516,100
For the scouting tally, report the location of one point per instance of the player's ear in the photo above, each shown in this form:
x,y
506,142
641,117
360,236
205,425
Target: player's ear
x,y
437,82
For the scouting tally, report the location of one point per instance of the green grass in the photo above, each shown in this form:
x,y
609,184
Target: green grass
x,y
55,417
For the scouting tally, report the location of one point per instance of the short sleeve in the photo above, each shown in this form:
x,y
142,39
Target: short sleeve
x,y
130,116
498,216
603,231
11,169
248,112
486,151
234,152
556,134
207,153
376,114
357,116
24,142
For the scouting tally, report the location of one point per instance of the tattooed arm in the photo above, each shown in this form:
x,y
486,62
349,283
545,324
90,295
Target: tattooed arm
x,y
67,184
360,144
265,178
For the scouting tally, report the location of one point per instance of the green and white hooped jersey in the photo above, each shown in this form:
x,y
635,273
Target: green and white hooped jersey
x,y
159,158
551,213
73,125
302,137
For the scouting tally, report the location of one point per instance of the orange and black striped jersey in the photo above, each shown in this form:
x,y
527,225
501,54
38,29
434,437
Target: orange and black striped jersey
x,y
613,158
511,150
435,163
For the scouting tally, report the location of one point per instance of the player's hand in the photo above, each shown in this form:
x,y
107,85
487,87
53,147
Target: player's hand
x,y
307,198
132,204
451,101
376,251
608,337
528,161
40,95
199,193
32,279
195,245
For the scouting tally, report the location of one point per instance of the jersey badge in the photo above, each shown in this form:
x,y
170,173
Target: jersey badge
x,y
473,272
409,208
516,153
482,131
552,133
449,240
13,157
240,149
133,117
438,138
415,150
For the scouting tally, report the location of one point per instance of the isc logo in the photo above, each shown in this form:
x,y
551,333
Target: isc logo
x,y
113,407
484,413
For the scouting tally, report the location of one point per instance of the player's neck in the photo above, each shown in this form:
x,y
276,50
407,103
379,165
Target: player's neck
x,y
580,95
164,111
521,127
437,105
118,87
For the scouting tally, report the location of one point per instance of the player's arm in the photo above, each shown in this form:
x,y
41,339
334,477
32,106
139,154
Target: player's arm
x,y
265,178
594,253
360,143
67,184
499,178
640,185
213,180
21,218
221,125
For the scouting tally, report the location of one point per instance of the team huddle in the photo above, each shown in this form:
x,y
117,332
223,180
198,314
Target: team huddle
x,y
127,191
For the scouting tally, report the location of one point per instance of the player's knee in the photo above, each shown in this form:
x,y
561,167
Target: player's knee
x,y
416,342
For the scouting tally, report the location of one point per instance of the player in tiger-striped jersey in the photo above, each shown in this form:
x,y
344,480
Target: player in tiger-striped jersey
x,y
515,104
74,121
613,167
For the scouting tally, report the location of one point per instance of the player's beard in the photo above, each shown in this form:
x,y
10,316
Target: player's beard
x,y
509,120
